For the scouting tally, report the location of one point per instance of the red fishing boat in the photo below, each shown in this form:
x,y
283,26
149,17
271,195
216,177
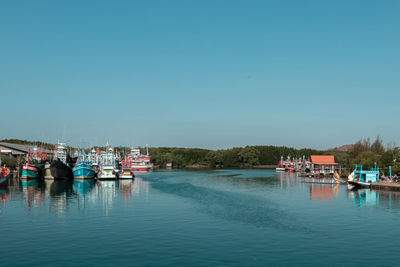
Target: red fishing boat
x,y
136,161
5,174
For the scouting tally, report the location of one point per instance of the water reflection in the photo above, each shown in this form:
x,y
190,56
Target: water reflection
x,y
287,179
323,192
126,188
106,192
83,187
4,194
364,197
31,193
61,195
371,198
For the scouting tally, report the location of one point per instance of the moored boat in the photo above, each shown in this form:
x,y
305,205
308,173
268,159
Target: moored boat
x,y
33,167
59,168
29,171
363,178
83,168
5,174
126,173
138,161
109,168
281,165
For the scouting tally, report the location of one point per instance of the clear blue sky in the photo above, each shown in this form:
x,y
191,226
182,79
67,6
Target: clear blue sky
x,y
210,74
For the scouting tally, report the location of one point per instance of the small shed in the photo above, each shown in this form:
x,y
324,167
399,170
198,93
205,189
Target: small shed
x,y
323,164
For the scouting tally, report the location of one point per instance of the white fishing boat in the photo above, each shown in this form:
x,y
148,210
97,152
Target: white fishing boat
x,y
109,168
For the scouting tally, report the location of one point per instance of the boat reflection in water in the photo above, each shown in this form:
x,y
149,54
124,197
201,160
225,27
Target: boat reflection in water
x,y
364,197
106,192
32,192
371,198
126,189
83,187
287,179
4,194
61,195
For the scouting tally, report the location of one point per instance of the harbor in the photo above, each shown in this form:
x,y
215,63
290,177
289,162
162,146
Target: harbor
x,y
177,214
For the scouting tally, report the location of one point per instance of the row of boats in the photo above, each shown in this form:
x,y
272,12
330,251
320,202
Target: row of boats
x,y
293,165
103,165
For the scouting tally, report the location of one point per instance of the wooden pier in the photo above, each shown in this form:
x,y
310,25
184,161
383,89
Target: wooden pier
x,y
386,186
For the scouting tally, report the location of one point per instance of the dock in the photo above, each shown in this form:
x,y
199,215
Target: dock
x,y
386,186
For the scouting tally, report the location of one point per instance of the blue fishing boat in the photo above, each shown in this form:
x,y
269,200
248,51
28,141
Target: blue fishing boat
x,y
363,178
83,168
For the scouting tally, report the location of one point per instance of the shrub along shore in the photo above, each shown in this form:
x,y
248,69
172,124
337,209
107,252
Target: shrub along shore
x,y
363,152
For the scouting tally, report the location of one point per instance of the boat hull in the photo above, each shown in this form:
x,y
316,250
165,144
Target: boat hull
x,y
141,168
4,179
126,173
107,173
360,184
107,177
126,176
29,172
83,171
60,170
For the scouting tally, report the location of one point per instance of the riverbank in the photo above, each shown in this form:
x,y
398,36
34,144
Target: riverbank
x,y
387,186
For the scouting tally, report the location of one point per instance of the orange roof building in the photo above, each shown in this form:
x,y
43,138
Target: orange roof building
x,y
323,165
323,160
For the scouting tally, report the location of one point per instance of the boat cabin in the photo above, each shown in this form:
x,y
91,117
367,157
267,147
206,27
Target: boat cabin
x,y
364,176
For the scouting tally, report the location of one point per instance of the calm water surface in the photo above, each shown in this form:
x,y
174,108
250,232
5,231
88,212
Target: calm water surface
x,y
197,218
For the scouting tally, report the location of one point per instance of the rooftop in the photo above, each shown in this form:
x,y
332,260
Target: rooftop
x,y
324,160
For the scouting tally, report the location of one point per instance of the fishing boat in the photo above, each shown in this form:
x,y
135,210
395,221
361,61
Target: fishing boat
x,y
126,170
109,168
94,158
295,165
281,165
33,167
83,168
60,167
5,174
363,178
140,162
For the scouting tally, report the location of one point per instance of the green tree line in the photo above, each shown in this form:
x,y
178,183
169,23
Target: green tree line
x,y
363,152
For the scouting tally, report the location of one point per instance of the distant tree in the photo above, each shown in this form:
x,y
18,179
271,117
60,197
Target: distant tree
x,y
248,157
214,158
361,146
377,146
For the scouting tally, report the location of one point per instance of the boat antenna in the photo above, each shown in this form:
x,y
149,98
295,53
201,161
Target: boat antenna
x,y
147,149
